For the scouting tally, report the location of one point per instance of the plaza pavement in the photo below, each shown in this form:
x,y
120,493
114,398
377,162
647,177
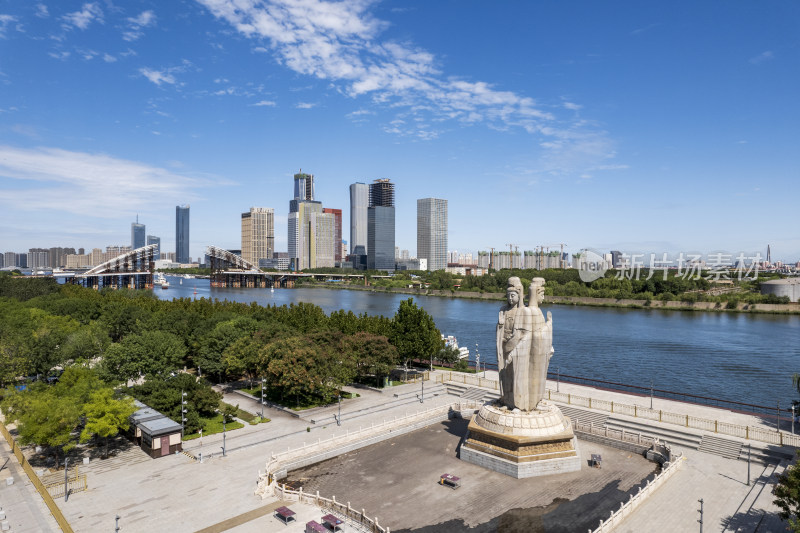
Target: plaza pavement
x,y
177,494
24,509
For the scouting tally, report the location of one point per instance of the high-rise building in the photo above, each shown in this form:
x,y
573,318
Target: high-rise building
x,y
359,202
182,233
380,226
137,234
310,230
38,258
10,259
258,234
152,239
337,232
303,186
432,232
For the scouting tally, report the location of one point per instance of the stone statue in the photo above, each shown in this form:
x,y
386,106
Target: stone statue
x,y
524,346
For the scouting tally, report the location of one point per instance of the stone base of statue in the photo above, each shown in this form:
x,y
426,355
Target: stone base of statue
x,y
522,444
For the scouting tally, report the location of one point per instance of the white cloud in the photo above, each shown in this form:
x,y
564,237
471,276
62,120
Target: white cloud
x,y
5,22
62,55
572,106
108,58
340,42
145,18
135,25
47,176
305,105
158,76
41,11
82,19
762,57
264,103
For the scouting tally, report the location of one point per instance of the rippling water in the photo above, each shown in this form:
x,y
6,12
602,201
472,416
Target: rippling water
x,y
743,357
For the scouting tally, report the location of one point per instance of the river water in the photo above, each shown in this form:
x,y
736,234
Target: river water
x,y
735,356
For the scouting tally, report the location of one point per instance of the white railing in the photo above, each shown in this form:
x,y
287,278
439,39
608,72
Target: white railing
x,y
355,520
755,433
625,509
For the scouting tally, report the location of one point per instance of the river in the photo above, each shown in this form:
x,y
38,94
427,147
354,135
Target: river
x,y
735,356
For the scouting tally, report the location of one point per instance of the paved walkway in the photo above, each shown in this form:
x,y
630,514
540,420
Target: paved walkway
x,y
177,494
24,509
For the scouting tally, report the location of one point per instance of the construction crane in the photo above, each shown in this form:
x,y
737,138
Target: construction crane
x,y
511,254
561,255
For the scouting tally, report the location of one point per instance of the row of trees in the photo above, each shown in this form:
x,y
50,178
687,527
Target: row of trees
x,y
77,408
122,336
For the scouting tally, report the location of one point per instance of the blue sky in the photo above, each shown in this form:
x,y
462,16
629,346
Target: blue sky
x,y
639,126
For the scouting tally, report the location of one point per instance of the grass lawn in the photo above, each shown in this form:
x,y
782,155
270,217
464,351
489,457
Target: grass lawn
x,y
214,425
250,418
301,405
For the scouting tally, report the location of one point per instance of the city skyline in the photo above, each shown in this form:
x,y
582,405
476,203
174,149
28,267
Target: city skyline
x,y
667,127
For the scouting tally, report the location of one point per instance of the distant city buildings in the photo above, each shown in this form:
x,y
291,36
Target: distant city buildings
x,y
337,232
258,234
359,203
182,233
432,232
137,234
152,239
311,231
380,226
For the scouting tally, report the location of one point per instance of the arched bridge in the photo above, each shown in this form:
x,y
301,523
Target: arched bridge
x,y
133,270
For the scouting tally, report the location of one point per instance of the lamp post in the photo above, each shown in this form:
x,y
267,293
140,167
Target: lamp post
x,y
223,434
183,412
748,464
66,478
263,385
651,394
792,419
701,514
558,379
422,398
339,417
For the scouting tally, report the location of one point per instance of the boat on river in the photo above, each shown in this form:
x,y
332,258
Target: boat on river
x,y
452,342
161,280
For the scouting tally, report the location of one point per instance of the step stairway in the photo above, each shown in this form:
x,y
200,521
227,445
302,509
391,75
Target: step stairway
x,y
456,389
584,416
670,435
479,395
727,448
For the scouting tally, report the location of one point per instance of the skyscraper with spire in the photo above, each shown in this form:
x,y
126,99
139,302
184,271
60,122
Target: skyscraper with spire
x,y
137,234
310,230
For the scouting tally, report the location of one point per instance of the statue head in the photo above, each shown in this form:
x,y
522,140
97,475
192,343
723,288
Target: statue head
x,y
537,292
514,292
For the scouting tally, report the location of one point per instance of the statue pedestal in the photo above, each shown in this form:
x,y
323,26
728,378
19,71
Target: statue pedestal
x,y
522,444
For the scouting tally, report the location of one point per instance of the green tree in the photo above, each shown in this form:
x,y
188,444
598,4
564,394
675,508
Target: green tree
x,y
149,352
106,415
213,345
787,493
414,333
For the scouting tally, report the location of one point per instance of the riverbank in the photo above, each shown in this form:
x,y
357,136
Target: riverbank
x,y
785,309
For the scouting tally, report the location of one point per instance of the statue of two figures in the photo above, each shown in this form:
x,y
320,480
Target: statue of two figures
x,y
524,346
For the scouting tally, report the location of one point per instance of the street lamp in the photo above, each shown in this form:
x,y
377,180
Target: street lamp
x,y
263,385
223,434
183,412
558,379
339,417
651,394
